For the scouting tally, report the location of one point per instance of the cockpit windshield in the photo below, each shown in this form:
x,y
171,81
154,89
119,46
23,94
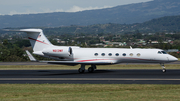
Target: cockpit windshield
x,y
162,52
159,52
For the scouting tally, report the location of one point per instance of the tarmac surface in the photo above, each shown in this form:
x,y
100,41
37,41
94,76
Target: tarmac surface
x,y
98,77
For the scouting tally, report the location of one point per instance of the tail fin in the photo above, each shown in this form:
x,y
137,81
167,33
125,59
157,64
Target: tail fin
x,y
30,56
37,39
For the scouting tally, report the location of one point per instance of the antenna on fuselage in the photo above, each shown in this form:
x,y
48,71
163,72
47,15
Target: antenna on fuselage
x,y
131,47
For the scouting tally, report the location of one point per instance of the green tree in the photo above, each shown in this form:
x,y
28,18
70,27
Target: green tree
x,y
5,42
4,53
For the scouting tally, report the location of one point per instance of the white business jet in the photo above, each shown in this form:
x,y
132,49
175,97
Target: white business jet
x,y
74,55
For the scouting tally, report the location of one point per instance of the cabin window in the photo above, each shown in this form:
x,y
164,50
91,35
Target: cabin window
x,y
124,54
131,54
96,54
103,54
110,54
138,54
163,52
159,52
117,54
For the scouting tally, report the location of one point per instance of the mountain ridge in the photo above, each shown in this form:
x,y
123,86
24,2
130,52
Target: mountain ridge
x,y
163,24
125,14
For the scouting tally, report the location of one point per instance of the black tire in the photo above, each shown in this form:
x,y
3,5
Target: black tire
x,y
164,70
81,70
90,69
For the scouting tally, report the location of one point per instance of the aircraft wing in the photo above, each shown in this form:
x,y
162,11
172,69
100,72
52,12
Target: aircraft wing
x,y
73,63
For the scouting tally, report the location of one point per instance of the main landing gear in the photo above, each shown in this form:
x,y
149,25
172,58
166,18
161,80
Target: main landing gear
x,y
82,69
164,68
90,69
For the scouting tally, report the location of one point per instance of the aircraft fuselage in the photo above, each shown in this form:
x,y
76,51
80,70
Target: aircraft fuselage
x,y
111,55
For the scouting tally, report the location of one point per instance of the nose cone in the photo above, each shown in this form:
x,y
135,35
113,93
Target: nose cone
x,y
173,59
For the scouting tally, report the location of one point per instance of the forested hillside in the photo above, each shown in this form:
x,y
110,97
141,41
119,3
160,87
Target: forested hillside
x,y
164,24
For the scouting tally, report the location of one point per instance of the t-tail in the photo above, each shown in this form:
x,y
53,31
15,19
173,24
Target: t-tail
x,y
43,47
37,39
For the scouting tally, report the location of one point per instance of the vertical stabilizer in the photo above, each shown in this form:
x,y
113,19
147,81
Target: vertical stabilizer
x,y
37,39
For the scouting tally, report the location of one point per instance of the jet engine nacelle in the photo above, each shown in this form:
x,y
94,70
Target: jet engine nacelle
x,y
58,52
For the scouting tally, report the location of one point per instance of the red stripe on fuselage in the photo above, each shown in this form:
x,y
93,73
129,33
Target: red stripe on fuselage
x,y
38,41
117,59
92,60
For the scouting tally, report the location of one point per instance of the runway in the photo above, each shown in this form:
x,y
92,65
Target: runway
x,y
40,63
98,77
23,63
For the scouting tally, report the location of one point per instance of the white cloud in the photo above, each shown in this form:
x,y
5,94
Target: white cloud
x,y
77,8
34,12
73,9
59,10
26,12
50,11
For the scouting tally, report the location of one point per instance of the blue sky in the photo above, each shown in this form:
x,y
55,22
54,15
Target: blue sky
x,y
10,7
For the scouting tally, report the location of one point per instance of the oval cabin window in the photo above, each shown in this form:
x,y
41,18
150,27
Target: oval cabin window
x,y
131,54
124,54
117,54
103,54
138,54
96,54
110,54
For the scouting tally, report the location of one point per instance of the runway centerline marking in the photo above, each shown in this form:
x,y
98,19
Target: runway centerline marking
x,y
88,79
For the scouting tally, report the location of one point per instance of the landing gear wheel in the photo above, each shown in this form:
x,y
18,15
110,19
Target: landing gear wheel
x,y
81,70
164,70
90,69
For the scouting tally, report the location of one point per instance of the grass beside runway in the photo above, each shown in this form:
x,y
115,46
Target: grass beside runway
x,y
88,92
63,67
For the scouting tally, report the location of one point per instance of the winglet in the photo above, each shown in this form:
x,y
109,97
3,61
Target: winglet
x,y
31,57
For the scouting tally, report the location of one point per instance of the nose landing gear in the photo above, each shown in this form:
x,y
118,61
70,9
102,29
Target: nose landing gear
x,y
164,68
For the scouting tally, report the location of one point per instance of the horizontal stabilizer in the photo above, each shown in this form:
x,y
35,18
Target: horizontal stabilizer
x,y
30,56
23,30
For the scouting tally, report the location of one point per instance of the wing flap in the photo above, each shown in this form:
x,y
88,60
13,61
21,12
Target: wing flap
x,y
76,63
